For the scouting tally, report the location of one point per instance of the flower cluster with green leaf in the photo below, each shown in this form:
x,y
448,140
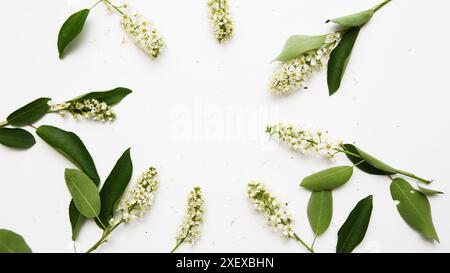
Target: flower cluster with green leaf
x,y
190,227
89,109
219,15
302,54
292,74
413,204
94,105
138,201
144,34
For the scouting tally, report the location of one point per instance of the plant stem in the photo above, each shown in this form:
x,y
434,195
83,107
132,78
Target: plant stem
x,y
177,245
3,124
303,243
104,237
379,6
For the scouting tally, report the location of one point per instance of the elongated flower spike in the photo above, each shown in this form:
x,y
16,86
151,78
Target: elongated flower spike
x,y
220,19
292,75
275,212
144,34
88,109
190,228
141,197
304,140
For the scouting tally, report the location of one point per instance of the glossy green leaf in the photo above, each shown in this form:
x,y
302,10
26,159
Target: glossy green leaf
x,y
320,211
328,179
354,229
110,97
429,192
16,138
297,45
354,20
70,146
114,187
370,164
71,28
29,113
11,242
339,58
414,208
84,192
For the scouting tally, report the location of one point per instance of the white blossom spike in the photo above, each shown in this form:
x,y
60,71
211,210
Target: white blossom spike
x,y
275,212
291,75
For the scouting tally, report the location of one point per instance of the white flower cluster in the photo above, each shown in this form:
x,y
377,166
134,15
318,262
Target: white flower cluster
x,y
220,19
141,197
293,74
304,140
89,109
144,34
190,227
275,212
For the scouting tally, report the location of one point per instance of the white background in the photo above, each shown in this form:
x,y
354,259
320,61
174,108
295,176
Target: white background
x,y
393,103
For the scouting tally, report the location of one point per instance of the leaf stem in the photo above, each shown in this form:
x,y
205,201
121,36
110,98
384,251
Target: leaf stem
x,y
3,124
104,236
379,6
177,245
303,243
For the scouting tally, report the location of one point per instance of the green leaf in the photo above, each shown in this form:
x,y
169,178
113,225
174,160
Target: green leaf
x,y
296,45
414,208
354,20
354,229
11,242
29,113
70,146
320,211
16,138
84,192
114,187
370,164
429,192
110,97
339,58
71,28
328,179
